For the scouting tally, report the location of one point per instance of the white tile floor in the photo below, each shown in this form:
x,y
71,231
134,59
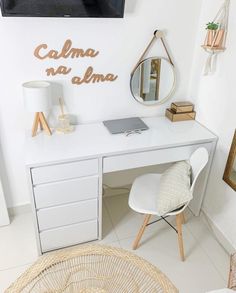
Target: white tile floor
x,y
205,268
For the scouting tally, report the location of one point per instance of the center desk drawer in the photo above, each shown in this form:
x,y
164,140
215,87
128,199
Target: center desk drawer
x,y
69,235
68,214
148,158
63,192
64,171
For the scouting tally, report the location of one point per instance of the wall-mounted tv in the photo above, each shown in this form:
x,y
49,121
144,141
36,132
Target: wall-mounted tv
x,y
63,8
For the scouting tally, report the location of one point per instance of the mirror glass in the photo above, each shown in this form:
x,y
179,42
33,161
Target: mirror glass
x,y
230,170
153,81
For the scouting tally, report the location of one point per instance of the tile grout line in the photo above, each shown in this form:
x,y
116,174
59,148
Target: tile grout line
x,y
204,250
19,266
113,226
126,237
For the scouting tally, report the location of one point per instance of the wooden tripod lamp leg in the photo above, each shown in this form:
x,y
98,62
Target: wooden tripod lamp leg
x,y
43,122
35,124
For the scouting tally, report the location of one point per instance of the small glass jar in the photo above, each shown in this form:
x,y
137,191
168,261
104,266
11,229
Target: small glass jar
x,y
64,124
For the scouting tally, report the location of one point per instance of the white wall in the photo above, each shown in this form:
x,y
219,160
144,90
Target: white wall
x,y
120,42
4,218
216,103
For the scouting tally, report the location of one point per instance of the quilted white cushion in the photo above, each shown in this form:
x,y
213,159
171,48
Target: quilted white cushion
x,y
174,189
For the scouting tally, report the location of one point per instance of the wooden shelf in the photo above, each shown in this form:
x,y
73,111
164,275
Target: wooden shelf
x,y
213,49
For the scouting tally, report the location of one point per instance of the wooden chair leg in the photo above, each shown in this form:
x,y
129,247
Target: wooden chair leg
x,y
141,231
180,236
183,218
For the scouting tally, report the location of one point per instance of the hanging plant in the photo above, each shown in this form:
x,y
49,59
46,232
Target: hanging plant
x,y
212,26
216,36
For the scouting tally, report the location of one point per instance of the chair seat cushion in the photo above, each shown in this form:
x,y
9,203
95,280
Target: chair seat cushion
x,y
174,189
144,192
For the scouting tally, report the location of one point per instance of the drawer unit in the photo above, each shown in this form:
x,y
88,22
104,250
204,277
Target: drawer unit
x,y
141,159
67,214
64,192
69,235
64,171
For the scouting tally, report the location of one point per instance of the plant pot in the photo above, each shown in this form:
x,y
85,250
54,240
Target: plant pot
x,y
215,38
219,38
210,38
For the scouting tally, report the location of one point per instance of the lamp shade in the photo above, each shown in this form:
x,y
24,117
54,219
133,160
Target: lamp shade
x,y
37,96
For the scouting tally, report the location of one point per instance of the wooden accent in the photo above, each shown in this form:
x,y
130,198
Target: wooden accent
x,y
44,123
144,53
214,49
175,117
67,51
42,52
141,81
40,125
156,70
91,77
141,231
182,107
35,124
215,39
232,273
157,35
180,236
230,163
40,122
183,218
167,52
59,70
219,40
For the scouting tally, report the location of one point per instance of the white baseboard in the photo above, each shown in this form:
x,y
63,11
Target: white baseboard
x,y
18,210
224,242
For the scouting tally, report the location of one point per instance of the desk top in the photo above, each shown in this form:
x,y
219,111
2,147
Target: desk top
x,y
94,140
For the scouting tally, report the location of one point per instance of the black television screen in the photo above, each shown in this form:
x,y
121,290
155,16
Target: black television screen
x,y
63,8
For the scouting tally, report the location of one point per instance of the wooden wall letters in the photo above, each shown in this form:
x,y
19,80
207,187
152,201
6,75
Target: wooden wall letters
x,y
42,52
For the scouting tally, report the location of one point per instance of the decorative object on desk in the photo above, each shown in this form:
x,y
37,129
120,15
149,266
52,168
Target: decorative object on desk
x,y
216,36
64,121
37,96
92,269
153,79
181,111
230,169
182,107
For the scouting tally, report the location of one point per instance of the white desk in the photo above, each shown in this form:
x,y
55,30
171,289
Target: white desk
x,y
66,173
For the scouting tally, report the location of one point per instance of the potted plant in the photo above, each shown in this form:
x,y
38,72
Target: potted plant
x,y
215,35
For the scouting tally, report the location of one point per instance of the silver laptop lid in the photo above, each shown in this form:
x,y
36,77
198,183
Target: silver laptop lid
x,y
125,125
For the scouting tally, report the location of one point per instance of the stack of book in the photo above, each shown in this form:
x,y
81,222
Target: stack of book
x,y
181,111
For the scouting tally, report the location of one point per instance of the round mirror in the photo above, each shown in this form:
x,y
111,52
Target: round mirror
x,y
153,81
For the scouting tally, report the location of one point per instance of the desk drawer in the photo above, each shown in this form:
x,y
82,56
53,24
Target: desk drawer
x,y
68,214
64,171
69,235
149,158
64,192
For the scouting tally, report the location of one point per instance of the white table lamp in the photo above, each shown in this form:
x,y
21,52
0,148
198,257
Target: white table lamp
x,y
37,96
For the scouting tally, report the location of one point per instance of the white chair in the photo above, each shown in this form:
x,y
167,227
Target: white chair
x,y
144,193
